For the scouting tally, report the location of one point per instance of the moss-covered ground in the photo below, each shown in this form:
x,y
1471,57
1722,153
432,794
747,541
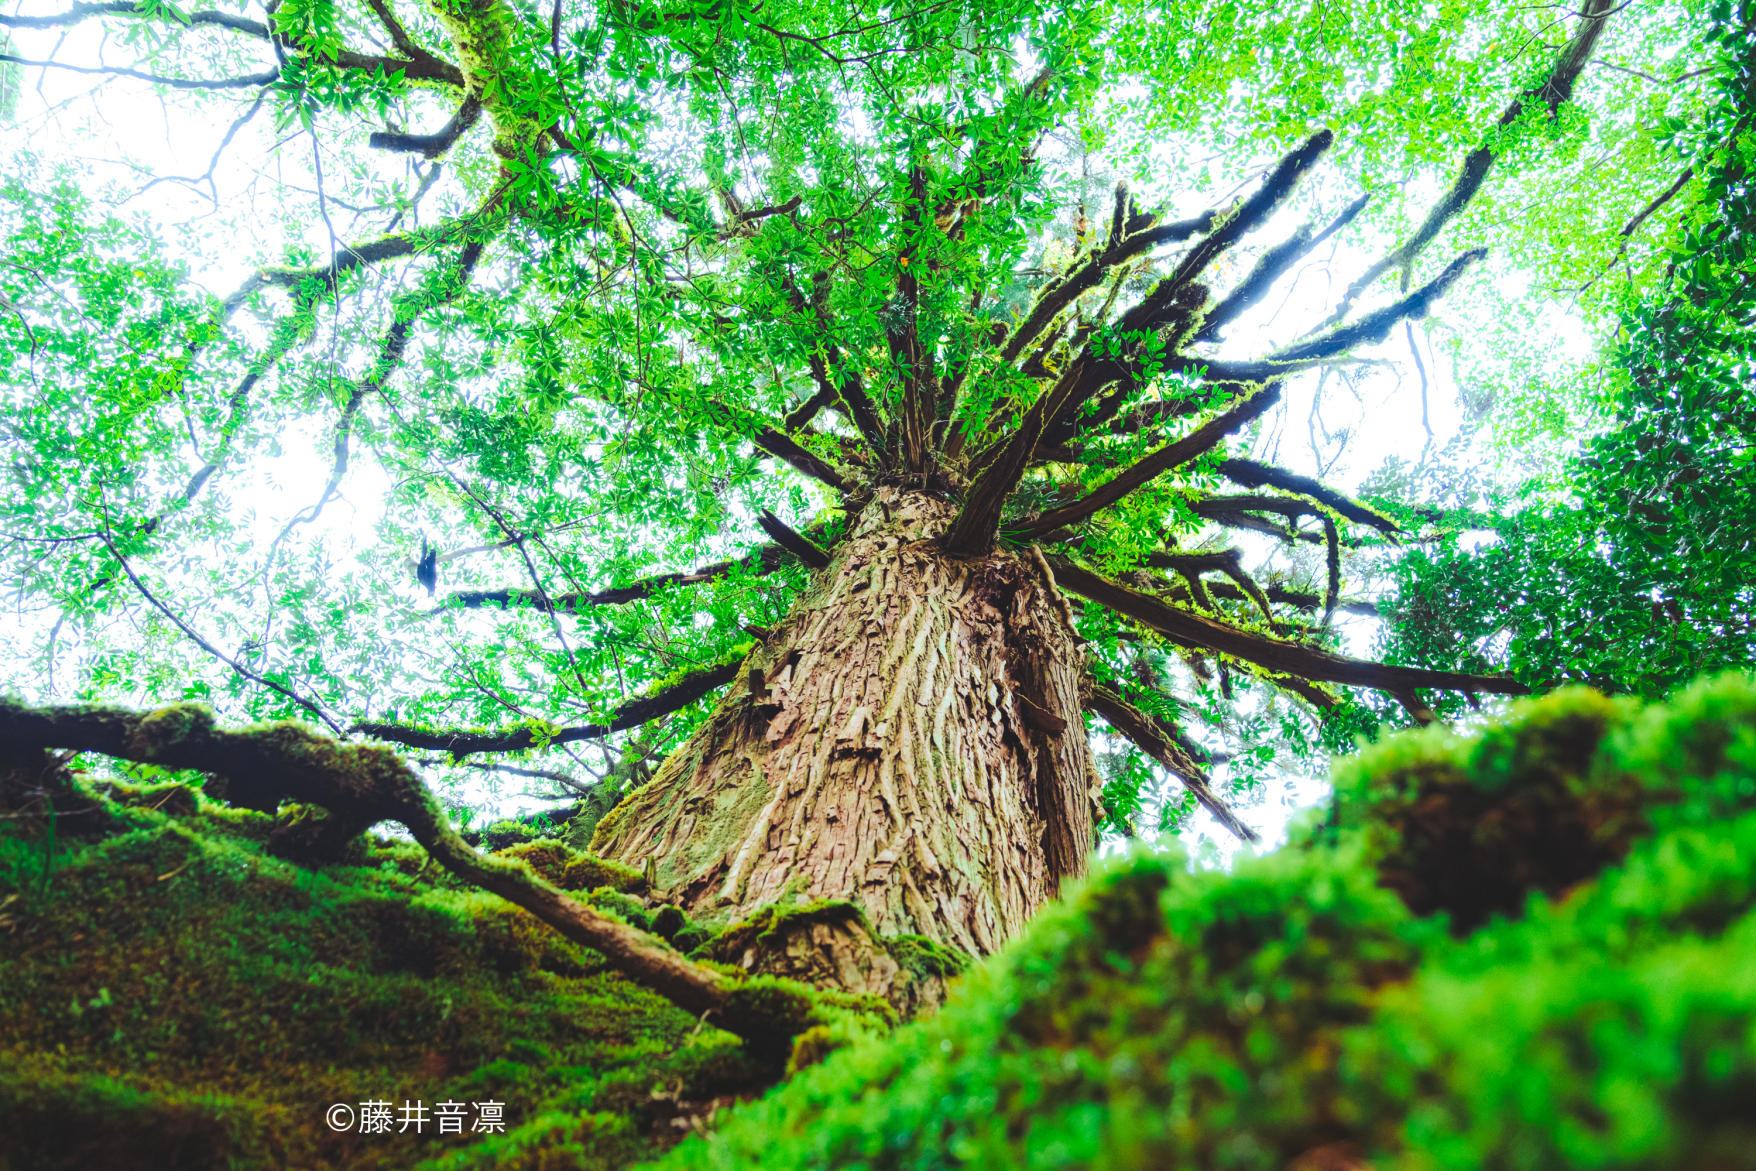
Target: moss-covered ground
x,y
174,996
1529,948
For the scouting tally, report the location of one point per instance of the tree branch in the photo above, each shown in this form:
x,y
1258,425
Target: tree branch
x,y
1082,278
1270,267
460,743
364,784
764,560
1229,562
267,77
1375,327
389,247
1555,89
783,448
431,146
1145,732
1288,657
309,705
1179,451
1250,474
1253,214
390,356
81,12
793,542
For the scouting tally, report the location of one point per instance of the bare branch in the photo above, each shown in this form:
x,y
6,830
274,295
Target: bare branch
x,y
311,706
1146,733
267,77
1291,658
1179,451
460,743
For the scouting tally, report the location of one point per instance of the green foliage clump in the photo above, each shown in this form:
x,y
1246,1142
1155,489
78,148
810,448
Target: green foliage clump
x,y
1298,1007
1642,543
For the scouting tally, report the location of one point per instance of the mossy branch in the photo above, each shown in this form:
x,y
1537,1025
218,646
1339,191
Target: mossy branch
x,y
1179,451
1291,658
1248,473
364,784
766,559
632,714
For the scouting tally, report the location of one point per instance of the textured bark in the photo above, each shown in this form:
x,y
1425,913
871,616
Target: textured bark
x,y
910,739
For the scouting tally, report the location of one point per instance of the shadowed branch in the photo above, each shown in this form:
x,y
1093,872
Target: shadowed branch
x,y
1179,451
1147,734
1248,473
1288,657
1272,265
796,543
460,742
431,146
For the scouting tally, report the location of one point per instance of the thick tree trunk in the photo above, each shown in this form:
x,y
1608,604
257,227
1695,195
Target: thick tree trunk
x,y
911,740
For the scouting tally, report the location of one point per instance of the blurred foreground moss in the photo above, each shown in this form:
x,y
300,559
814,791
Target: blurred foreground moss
x,y
1530,949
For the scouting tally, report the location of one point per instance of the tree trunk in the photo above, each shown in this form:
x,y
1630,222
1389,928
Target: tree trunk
x,y
910,740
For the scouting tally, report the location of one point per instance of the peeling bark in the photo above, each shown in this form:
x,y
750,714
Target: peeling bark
x,y
910,739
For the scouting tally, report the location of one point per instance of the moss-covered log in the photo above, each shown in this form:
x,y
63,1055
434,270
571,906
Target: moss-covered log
x,y
360,785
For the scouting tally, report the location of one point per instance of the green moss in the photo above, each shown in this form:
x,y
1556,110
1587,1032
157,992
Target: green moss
x,y
177,995
1162,1018
625,907
584,872
925,957
547,857
770,927
174,798
175,992
1472,827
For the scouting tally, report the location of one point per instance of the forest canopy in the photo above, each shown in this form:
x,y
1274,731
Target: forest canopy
x,y
533,321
